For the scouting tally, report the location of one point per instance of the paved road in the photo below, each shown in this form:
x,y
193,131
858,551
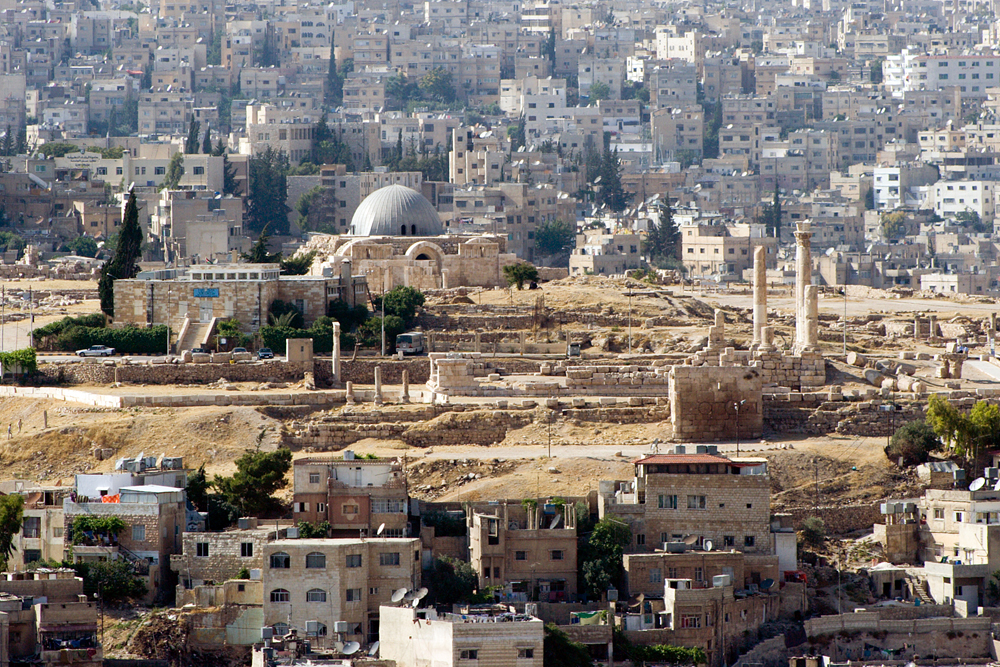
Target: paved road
x,y
986,368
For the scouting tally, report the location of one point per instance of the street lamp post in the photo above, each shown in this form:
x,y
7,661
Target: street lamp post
x,y
738,405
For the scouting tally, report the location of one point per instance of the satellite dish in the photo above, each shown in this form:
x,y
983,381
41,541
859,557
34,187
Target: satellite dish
x,y
410,596
766,584
415,603
381,529
708,545
397,595
374,649
350,648
597,180
421,594
977,484
690,539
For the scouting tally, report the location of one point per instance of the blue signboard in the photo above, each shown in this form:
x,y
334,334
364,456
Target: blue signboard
x,y
206,292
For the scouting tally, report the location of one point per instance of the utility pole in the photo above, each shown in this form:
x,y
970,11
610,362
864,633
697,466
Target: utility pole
x,y
845,321
816,474
630,321
738,406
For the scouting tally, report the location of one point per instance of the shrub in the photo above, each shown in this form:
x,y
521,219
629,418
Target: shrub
x,y
127,340
814,531
520,273
912,442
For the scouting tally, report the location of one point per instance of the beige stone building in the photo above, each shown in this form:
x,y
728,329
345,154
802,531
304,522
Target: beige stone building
x,y
155,518
312,584
419,637
692,498
530,550
355,496
41,534
646,572
191,300
605,254
710,250
213,558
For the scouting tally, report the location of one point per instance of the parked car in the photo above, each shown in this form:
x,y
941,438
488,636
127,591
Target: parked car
x,y
239,350
199,350
265,353
96,351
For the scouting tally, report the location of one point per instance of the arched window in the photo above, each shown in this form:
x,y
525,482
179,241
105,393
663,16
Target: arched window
x,y
280,561
413,230
280,629
315,561
280,595
402,230
316,595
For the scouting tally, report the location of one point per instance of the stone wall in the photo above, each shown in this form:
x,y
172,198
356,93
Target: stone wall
x,y
769,653
853,634
702,400
839,519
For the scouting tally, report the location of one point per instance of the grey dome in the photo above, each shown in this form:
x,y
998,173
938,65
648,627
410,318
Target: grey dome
x,y
396,210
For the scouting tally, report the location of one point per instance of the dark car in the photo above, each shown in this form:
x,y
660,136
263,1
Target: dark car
x,y
265,353
199,350
239,350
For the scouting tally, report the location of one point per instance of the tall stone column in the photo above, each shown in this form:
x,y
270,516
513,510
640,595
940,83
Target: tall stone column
x,y
759,292
404,397
336,353
811,341
378,385
803,277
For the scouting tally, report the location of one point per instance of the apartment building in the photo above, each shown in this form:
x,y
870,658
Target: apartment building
x,y
485,636
477,156
354,495
601,254
347,191
315,585
692,498
673,84
678,132
709,250
41,537
529,550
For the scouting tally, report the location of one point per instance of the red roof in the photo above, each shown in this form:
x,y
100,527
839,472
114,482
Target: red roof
x,y
681,458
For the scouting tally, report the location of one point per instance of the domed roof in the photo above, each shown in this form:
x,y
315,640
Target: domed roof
x,y
396,210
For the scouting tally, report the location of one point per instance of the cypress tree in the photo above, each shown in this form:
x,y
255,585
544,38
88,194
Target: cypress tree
x,y
206,145
125,262
191,145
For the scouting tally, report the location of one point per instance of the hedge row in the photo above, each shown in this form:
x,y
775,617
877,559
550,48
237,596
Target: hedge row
x,y
128,340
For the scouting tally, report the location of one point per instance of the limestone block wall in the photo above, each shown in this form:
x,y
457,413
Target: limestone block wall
x,y
940,637
702,402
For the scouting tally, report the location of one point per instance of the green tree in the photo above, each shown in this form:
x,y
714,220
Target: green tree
x,y
258,475
450,581
516,133
8,142
191,145
870,199
56,149
876,70
334,91
601,556
438,85
125,262
258,253
612,193
774,218
972,222
710,144
206,144
229,185
561,651
284,314
555,236
197,489
599,91
175,170
893,225
214,55
299,264
11,515
268,192
663,241
310,531
913,442
84,246
402,302
115,579
814,531
520,273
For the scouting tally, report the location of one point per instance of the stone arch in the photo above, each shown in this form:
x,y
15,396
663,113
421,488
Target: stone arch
x,y
424,250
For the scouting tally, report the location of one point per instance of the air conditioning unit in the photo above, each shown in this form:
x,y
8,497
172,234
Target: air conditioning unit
x,y
266,633
292,533
721,581
341,627
312,628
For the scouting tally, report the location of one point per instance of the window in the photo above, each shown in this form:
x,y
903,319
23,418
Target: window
x,y
749,540
353,595
315,561
728,540
353,560
31,526
520,555
667,502
470,654
314,478
350,510
280,595
958,517
655,575
280,561
246,549
198,171
691,621
938,513
138,533
526,653
640,539
557,554
699,574
202,549
388,558
696,502
159,171
316,595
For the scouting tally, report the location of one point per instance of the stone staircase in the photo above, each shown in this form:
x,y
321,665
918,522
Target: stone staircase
x,y
193,336
919,588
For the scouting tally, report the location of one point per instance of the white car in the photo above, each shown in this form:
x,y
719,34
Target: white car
x,y
96,351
